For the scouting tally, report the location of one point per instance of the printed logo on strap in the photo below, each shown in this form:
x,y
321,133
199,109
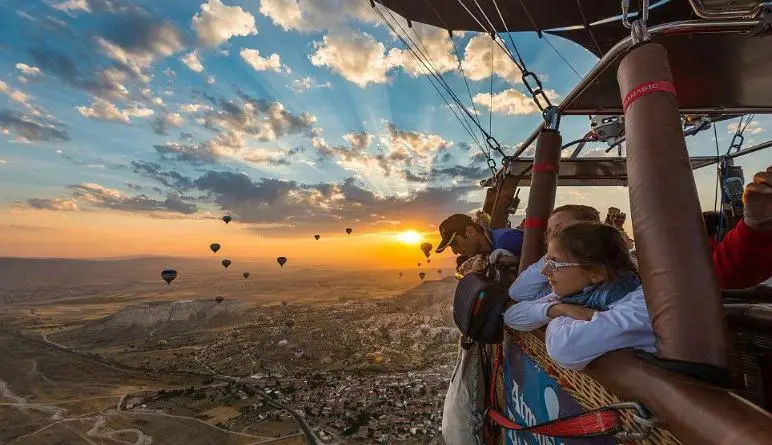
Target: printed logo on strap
x,y
647,88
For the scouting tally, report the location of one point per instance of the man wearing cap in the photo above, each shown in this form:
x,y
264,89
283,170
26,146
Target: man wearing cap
x,y
465,237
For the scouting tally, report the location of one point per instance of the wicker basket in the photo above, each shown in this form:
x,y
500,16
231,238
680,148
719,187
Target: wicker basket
x,y
587,392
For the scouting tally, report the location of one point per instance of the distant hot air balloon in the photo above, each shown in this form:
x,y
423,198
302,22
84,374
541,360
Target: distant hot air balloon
x,y
316,237
298,352
348,230
227,219
289,323
422,275
282,343
219,299
428,260
169,275
439,271
214,247
281,260
283,303
419,264
400,274
427,249
226,262
245,275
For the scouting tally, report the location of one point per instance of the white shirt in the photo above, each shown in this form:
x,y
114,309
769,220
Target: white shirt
x,y
572,344
531,284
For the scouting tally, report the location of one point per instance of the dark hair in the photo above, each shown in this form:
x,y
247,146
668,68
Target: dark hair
x,y
595,244
711,220
580,212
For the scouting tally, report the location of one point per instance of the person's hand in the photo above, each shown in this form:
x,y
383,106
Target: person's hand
x,y
757,199
503,257
570,310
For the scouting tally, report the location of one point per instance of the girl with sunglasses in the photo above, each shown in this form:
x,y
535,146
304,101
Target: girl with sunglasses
x,y
597,302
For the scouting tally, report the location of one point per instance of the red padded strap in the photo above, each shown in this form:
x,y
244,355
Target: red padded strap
x,y
604,421
647,88
542,167
534,223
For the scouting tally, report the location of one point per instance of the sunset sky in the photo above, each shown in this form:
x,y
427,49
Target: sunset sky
x,y
131,127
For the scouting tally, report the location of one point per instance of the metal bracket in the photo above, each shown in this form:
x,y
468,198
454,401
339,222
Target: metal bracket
x,y
642,417
638,31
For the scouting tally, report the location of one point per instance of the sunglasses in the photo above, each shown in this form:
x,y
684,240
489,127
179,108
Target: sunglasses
x,y
554,266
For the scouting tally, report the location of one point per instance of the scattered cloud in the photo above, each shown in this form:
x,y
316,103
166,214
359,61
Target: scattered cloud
x,y
109,198
754,127
135,41
30,129
482,57
316,15
107,83
412,141
359,141
161,124
307,83
210,80
192,61
433,43
511,102
52,204
105,110
270,63
170,179
356,56
216,23
27,70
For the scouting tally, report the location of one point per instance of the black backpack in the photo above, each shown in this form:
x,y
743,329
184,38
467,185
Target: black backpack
x,y
478,306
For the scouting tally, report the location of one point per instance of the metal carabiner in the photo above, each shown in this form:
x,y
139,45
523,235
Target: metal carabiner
x,y
642,417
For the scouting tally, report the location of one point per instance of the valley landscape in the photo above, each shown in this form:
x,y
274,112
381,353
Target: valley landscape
x,y
104,352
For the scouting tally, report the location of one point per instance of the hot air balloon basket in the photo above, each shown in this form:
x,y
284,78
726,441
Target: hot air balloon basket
x,y
586,391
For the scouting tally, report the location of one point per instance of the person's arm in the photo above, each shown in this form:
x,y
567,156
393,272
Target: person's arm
x,y
531,284
572,311
743,258
529,315
572,343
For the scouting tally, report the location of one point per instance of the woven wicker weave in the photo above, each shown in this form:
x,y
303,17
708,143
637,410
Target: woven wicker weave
x,y
587,392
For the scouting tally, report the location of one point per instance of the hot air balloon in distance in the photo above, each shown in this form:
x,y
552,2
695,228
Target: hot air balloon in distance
x,y
439,271
226,262
316,237
298,352
400,274
169,275
214,247
283,303
428,261
281,260
348,230
422,275
245,275
419,264
219,299
227,219
282,343
426,248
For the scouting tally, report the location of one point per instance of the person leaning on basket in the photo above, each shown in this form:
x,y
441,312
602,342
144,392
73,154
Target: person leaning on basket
x,y
596,304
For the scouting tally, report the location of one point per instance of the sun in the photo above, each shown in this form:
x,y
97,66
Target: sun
x,y
409,237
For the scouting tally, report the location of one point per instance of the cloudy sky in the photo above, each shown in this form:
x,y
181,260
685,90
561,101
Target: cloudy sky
x,y
129,127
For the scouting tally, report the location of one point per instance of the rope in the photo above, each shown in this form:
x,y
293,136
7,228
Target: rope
x,y
463,122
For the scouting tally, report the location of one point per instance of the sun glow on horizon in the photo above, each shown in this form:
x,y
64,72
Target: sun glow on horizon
x,y
410,237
